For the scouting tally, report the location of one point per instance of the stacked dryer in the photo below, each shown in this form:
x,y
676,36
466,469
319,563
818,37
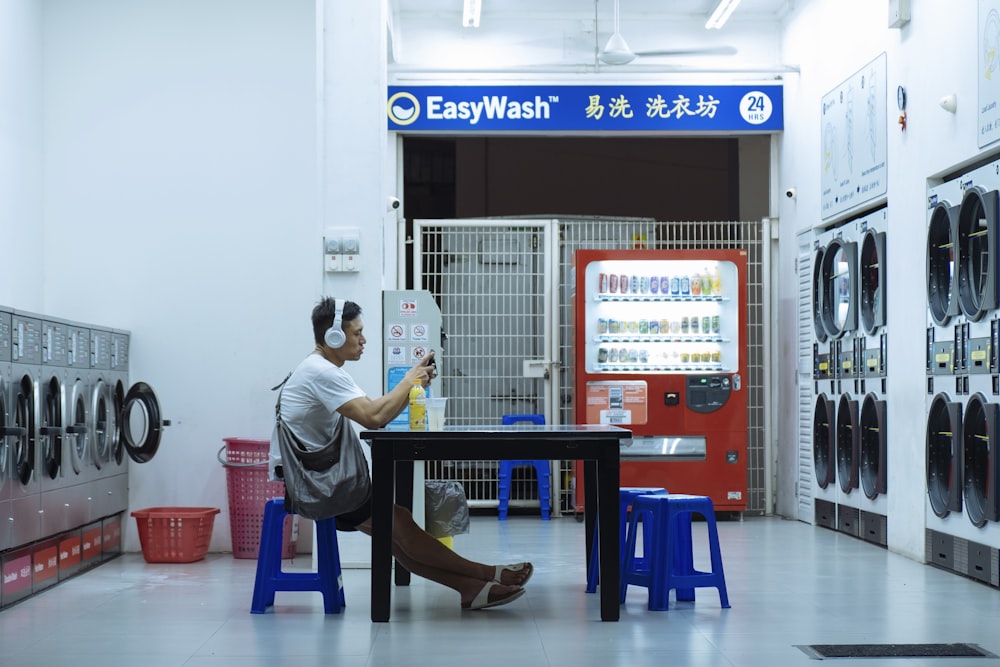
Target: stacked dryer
x,y
849,375
835,372
963,389
872,344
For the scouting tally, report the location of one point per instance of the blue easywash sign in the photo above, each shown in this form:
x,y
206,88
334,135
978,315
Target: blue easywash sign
x,y
674,108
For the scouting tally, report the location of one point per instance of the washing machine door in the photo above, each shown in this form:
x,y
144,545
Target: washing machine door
x,y
23,455
848,443
141,422
977,252
118,450
51,429
873,281
942,238
873,451
817,295
824,441
77,430
104,422
979,470
840,280
944,461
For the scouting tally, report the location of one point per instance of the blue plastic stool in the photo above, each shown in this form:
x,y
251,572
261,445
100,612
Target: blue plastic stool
x,y
670,564
543,472
270,577
625,497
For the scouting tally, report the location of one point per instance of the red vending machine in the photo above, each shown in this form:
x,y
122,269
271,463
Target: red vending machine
x,y
661,349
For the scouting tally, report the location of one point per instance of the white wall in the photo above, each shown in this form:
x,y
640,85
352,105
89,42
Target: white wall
x,y
934,55
21,280
181,203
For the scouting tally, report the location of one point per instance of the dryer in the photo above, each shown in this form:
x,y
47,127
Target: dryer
x,y
962,387
26,362
841,286
874,346
825,391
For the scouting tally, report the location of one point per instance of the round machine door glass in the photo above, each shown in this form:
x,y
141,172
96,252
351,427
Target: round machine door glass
x,y
941,264
823,420
817,295
944,427
24,422
979,467
847,443
839,288
118,448
51,429
6,430
78,431
141,422
872,281
873,454
977,239
104,423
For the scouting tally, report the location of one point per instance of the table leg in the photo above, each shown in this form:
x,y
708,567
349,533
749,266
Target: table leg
x,y
589,504
608,483
383,485
404,498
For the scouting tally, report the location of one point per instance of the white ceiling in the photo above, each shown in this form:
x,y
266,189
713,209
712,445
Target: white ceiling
x,y
560,34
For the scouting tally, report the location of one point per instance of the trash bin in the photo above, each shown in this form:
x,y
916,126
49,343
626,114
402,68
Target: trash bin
x,y
249,488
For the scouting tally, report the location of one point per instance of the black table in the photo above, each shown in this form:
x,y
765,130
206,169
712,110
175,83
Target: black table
x,y
596,445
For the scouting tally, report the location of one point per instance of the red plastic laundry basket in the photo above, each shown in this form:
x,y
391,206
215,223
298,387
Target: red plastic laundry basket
x,y
175,534
249,488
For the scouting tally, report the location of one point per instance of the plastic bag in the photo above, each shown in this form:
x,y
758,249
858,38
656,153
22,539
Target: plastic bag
x,y
446,508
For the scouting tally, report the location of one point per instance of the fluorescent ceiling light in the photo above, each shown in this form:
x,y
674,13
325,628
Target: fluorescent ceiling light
x,y
471,12
721,14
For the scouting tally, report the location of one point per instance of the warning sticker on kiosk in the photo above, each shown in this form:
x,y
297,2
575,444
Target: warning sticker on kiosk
x,y
617,402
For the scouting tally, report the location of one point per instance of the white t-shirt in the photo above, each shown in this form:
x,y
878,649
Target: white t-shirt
x,y
309,402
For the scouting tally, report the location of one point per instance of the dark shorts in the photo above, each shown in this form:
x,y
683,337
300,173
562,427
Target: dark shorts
x,y
349,522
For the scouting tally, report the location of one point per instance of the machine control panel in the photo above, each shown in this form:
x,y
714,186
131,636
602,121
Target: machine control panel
x,y
707,393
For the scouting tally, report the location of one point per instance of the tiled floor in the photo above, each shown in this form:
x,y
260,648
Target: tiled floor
x,y
789,584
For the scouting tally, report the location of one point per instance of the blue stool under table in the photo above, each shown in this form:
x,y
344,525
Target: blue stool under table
x,y
327,579
670,564
626,495
542,471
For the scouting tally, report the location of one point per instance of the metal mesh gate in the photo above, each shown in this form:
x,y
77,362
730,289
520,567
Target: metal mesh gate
x,y
495,279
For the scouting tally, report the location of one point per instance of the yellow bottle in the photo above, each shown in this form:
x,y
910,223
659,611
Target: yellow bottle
x,y
418,407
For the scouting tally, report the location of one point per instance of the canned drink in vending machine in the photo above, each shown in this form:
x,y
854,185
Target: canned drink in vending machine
x,y
602,283
644,285
654,285
613,283
623,283
715,324
602,355
602,325
634,284
706,324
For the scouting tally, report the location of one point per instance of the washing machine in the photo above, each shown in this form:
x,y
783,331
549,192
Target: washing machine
x,y
23,404
873,355
80,468
57,511
6,431
117,465
104,428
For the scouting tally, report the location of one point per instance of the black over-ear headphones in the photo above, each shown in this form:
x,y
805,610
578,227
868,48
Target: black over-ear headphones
x,y
335,336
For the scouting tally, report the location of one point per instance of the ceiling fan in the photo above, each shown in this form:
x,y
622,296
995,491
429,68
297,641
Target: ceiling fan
x,y
617,52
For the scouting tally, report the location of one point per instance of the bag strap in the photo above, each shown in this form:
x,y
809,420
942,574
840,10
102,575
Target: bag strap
x,y
319,459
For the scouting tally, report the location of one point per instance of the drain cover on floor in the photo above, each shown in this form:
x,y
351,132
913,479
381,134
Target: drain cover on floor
x,y
823,651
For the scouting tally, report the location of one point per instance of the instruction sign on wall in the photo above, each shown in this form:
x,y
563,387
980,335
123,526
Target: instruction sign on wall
x,y
853,140
988,72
